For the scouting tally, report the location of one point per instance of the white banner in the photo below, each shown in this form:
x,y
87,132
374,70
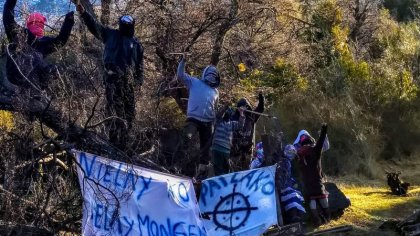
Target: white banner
x,y
122,199
242,203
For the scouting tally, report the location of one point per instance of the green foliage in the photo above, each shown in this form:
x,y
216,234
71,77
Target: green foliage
x,y
326,16
403,10
280,78
369,102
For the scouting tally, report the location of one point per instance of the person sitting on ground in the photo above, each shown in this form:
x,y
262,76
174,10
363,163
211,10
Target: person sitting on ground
x,y
28,47
290,197
203,96
222,139
309,161
258,160
243,138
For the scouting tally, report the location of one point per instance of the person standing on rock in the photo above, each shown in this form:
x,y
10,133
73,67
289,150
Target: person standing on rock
x,y
123,65
201,115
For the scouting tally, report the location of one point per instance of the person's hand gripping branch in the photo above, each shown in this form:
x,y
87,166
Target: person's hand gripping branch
x,y
70,16
80,8
183,56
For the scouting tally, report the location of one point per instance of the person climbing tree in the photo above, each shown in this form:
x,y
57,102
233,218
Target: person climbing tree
x,y
222,139
203,96
309,161
123,65
243,138
25,66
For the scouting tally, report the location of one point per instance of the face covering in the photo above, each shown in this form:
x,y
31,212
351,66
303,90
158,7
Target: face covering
x,y
35,24
211,76
126,24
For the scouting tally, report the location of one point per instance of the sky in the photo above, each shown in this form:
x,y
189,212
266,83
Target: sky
x,y
52,9
47,7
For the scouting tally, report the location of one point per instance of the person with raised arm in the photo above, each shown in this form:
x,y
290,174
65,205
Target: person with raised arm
x,y
123,65
28,46
201,115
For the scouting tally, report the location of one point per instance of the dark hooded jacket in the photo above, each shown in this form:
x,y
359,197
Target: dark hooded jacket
x,y
123,53
309,162
32,50
243,137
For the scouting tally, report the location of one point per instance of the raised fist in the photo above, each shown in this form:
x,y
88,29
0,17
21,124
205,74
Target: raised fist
x,y
80,8
260,97
70,16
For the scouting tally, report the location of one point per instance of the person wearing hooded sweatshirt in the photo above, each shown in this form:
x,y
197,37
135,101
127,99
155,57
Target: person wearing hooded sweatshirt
x,y
243,138
123,65
303,134
29,46
202,99
309,163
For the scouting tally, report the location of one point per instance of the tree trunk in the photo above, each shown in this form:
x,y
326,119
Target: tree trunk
x,y
224,28
105,11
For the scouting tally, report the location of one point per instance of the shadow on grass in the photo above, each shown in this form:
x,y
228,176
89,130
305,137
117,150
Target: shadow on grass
x,y
398,210
378,192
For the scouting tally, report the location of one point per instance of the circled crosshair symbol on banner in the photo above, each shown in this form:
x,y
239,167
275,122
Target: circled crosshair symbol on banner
x,y
232,211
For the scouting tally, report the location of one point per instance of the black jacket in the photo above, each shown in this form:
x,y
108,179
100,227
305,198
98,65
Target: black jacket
x,y
31,51
121,54
309,161
45,45
243,137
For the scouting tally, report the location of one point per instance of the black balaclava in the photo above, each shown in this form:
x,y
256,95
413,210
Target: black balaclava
x,y
243,102
126,24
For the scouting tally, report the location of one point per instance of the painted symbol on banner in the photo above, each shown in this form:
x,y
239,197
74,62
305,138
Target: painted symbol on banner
x,y
232,211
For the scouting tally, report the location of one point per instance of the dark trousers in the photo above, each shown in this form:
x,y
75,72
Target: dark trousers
x,y
121,104
205,131
221,162
241,156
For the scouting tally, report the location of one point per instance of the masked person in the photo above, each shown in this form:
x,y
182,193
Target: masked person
x,y
309,163
303,134
123,65
27,48
203,96
243,138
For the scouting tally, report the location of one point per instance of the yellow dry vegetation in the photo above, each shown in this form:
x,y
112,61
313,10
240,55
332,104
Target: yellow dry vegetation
x,y
373,205
6,120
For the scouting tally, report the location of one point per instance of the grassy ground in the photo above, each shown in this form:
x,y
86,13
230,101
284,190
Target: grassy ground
x,y
373,204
